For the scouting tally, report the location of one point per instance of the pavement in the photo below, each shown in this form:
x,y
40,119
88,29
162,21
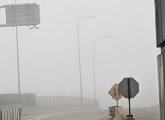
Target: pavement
x,y
59,113
148,113
83,113
79,115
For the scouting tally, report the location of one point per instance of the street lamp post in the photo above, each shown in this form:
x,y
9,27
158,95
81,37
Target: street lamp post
x,y
94,65
18,63
79,56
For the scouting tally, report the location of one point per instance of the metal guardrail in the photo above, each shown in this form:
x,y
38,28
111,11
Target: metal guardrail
x,y
112,111
10,113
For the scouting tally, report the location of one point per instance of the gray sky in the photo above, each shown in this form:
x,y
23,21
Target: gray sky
x,y
49,56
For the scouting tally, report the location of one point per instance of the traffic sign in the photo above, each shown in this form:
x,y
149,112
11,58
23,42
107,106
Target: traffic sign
x,y
21,14
129,87
114,92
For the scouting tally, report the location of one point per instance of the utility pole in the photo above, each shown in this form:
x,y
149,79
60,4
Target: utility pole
x,y
160,36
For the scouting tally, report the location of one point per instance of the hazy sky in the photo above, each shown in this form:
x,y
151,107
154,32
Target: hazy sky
x,y
49,56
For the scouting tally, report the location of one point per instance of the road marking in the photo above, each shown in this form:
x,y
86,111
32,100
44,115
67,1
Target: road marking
x,y
48,115
38,118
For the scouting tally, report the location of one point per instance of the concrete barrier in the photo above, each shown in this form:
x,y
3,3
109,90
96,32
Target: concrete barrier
x,y
121,115
10,113
26,99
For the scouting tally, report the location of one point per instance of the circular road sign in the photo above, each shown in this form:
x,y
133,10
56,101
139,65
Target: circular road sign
x,y
129,87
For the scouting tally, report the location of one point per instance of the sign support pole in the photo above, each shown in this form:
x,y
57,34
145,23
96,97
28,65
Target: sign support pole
x,y
117,103
129,99
129,107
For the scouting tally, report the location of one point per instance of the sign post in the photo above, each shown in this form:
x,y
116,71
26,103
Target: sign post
x,y
129,98
114,92
129,88
21,15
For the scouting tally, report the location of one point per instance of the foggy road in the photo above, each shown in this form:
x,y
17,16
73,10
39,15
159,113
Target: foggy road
x,y
81,115
59,58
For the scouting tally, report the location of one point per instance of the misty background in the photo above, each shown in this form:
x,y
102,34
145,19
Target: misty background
x,y
49,55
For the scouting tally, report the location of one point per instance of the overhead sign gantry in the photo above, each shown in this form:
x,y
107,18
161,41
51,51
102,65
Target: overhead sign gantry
x,y
21,15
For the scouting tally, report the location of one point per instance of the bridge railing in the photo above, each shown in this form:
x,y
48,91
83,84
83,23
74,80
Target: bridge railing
x,y
63,100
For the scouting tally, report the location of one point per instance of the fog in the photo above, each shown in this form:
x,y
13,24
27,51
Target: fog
x,y
49,55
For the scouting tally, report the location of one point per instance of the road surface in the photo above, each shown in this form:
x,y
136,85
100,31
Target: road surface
x,y
76,115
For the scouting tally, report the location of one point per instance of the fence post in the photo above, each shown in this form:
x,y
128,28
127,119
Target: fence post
x,y
20,111
0,114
